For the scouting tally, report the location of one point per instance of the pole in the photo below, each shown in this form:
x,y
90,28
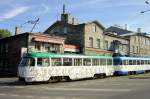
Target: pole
x,y
34,24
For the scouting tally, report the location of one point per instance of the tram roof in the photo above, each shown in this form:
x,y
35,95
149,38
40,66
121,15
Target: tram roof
x,y
45,54
133,58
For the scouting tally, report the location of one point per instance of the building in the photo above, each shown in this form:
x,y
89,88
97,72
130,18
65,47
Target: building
x,y
139,44
90,36
118,29
86,35
117,44
12,48
69,36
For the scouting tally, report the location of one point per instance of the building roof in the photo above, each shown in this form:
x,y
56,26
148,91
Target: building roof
x,y
62,23
117,30
134,34
115,35
72,25
38,34
96,22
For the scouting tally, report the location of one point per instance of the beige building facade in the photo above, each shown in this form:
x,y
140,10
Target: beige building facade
x,y
90,36
139,44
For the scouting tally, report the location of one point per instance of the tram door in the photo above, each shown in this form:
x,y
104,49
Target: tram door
x,y
42,68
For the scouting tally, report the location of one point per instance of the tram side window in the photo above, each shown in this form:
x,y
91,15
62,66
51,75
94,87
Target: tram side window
x,y
27,62
138,62
87,62
102,61
42,61
77,62
148,61
32,62
142,62
130,62
117,62
67,62
56,61
125,62
95,62
109,62
134,62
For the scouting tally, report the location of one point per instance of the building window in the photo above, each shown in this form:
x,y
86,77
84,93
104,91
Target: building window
x,y
98,43
37,46
65,30
135,39
6,48
137,49
1,48
106,45
90,42
133,49
1,64
57,29
94,28
47,47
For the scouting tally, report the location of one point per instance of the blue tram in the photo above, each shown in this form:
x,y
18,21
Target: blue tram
x,y
131,65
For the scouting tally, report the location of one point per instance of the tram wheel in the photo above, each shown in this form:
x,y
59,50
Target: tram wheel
x,y
67,78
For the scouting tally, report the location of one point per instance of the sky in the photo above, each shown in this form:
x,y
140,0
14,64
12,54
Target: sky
x,y
108,12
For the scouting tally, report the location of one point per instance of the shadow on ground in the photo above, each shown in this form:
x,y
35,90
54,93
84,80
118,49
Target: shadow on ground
x,y
13,81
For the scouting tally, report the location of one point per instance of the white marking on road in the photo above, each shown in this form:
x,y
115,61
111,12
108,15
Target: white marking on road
x,y
44,97
89,89
29,96
2,94
5,86
19,87
60,98
15,95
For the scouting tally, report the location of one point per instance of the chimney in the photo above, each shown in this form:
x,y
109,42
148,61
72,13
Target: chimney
x,y
126,27
139,30
17,30
73,21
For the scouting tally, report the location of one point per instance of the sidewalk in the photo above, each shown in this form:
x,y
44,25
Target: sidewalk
x,y
5,75
140,76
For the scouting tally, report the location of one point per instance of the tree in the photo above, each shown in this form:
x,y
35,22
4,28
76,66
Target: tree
x,y
5,33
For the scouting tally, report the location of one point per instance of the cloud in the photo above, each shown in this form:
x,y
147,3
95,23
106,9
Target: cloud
x,y
103,4
45,7
87,3
14,12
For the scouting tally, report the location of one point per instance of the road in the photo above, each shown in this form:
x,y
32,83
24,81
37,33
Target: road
x,y
108,88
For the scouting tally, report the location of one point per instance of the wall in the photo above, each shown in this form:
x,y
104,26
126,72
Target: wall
x,y
11,54
121,47
139,45
93,30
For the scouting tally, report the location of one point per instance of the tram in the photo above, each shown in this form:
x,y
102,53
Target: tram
x,y
42,66
131,65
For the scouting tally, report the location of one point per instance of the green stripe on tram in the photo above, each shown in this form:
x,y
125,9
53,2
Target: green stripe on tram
x,y
45,54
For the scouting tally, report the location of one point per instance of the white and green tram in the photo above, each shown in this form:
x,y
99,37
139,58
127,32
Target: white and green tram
x,y
41,66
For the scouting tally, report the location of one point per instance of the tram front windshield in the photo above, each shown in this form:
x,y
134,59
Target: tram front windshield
x,y
27,61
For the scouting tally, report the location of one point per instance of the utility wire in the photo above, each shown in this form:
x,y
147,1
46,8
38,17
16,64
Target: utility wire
x,y
146,2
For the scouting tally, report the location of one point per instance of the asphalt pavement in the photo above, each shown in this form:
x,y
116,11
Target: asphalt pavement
x,y
109,88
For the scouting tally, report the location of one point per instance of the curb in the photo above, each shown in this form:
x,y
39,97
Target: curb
x,y
139,77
